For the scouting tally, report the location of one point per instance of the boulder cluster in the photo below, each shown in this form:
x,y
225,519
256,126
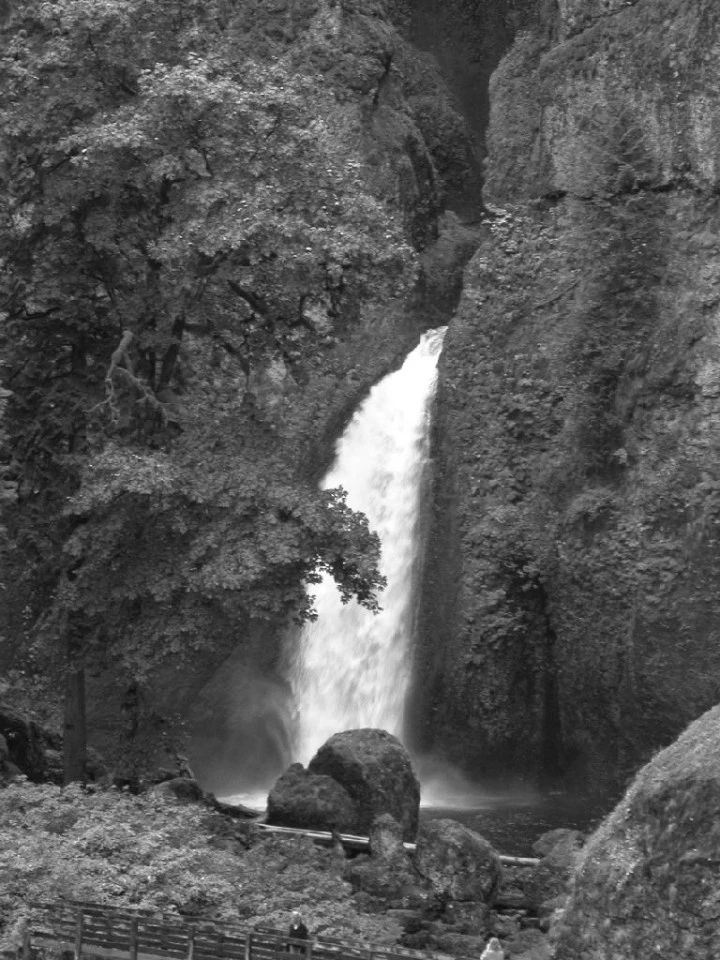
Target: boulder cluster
x,y
442,882
354,777
644,885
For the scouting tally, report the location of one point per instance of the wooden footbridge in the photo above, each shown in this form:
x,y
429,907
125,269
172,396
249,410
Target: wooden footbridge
x,y
77,930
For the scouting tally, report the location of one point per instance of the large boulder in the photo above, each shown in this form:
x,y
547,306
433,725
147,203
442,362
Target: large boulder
x,y
36,751
647,884
30,747
458,863
375,770
386,841
388,872
179,788
311,801
559,851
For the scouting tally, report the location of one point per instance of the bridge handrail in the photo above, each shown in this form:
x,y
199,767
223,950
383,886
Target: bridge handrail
x,y
153,935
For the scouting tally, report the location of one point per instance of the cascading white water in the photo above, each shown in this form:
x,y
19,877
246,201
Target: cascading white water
x,y
351,668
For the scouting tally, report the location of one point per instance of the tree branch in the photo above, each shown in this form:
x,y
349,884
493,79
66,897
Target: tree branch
x,y
121,365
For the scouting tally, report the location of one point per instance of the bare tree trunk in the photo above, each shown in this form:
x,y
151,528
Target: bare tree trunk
x,y
74,726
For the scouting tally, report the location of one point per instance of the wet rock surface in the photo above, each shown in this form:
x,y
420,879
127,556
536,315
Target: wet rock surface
x,y
647,882
311,801
458,863
30,749
547,883
388,872
375,770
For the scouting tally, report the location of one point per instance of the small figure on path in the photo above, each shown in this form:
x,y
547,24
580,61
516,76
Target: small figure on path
x,y
493,950
297,931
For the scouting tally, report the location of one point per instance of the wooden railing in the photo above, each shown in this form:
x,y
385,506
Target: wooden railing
x,y
352,842
109,933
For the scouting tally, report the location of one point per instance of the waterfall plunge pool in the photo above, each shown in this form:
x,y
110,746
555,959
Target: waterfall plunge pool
x,y
510,819
513,823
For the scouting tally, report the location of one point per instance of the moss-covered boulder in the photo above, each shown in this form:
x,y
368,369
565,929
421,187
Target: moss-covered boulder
x,y
458,863
310,801
648,884
388,872
558,851
375,769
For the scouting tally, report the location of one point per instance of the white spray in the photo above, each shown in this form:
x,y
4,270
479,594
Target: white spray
x,y
352,668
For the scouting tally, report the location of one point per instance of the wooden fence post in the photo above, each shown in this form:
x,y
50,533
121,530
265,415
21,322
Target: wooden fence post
x,y
26,943
133,944
191,943
79,934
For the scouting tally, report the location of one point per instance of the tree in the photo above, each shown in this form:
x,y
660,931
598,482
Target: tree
x,y
177,213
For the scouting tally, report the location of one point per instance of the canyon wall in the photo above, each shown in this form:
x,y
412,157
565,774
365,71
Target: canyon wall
x,y
570,613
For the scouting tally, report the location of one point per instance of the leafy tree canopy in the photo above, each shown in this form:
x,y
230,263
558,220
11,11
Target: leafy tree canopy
x,y
178,210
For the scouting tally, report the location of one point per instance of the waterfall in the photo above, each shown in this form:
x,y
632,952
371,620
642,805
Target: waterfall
x,y
351,668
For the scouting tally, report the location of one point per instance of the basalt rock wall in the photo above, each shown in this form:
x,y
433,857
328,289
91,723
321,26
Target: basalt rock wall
x,y
570,613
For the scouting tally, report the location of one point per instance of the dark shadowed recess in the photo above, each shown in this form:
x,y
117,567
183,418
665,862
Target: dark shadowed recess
x,y
468,38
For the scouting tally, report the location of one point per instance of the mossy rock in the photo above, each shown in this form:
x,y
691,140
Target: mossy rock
x,y
310,801
647,884
376,771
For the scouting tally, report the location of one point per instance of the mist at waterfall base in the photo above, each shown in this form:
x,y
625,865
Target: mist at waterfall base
x,y
239,730
511,816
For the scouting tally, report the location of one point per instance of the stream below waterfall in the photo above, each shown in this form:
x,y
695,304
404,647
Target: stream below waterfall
x,y
513,824
510,822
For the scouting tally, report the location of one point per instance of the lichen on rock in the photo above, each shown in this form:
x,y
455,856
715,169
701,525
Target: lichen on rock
x,y
311,801
647,882
375,770
458,863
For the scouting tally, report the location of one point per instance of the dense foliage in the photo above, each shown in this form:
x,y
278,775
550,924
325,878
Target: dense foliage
x,y
115,848
185,206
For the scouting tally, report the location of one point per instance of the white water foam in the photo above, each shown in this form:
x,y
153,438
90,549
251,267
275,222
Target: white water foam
x,y
351,668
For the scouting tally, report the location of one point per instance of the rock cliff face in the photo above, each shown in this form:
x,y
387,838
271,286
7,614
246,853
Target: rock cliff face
x,y
570,612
